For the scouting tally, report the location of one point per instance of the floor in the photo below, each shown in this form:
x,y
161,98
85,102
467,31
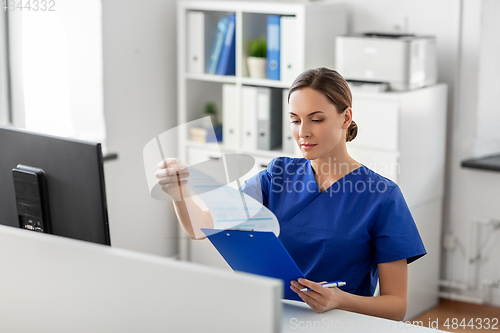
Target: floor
x,y
453,316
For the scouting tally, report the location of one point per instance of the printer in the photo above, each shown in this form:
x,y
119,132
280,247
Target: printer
x,y
403,61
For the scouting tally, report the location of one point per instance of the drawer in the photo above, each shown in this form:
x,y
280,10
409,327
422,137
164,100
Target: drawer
x,y
378,123
386,163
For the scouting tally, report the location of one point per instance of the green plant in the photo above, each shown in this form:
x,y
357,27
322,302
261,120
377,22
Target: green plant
x,y
210,109
258,48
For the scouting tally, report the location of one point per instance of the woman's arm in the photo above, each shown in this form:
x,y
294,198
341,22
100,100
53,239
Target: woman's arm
x,y
172,175
391,304
192,217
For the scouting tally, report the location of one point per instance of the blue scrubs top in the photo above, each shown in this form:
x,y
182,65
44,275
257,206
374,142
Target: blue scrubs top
x,y
344,232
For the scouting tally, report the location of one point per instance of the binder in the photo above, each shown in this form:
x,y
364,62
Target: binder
x,y
230,129
257,252
289,68
273,47
269,118
217,45
196,42
226,64
249,117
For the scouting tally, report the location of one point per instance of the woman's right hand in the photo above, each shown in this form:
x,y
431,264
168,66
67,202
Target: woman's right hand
x,y
172,175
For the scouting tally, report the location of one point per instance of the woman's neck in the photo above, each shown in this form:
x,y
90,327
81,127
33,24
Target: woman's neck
x,y
334,166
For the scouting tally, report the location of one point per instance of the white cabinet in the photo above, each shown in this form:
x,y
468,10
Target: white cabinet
x,y
402,136
379,119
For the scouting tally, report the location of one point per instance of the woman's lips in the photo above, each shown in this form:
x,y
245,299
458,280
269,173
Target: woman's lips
x,y
307,146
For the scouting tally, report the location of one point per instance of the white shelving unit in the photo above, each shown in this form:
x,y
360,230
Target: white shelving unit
x,y
317,25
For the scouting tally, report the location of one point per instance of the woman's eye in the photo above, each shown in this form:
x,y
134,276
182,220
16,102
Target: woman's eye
x,y
295,121
317,120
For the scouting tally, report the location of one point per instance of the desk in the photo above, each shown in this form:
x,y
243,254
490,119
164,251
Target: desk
x,y
84,287
299,317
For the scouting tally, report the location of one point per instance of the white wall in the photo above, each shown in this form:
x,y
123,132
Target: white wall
x,y
488,137
3,71
474,193
140,101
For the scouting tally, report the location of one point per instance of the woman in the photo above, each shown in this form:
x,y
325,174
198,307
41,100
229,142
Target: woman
x,y
339,220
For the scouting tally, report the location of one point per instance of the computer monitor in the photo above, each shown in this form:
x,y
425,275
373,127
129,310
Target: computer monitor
x,y
72,177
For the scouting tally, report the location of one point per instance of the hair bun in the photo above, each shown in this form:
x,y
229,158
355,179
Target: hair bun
x,y
352,131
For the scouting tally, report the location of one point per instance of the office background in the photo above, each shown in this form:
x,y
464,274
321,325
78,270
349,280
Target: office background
x,y
139,98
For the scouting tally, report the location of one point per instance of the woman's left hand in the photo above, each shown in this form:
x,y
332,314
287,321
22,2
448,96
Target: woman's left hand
x,y
319,298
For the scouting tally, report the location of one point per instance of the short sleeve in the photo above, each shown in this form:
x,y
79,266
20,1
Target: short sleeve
x,y
258,186
395,234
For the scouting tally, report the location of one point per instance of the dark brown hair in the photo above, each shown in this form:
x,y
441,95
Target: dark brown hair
x,y
335,88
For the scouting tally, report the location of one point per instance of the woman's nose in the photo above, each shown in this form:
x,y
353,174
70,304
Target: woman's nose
x,y
304,131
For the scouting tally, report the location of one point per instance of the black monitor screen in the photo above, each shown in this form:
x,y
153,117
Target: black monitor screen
x,y
74,184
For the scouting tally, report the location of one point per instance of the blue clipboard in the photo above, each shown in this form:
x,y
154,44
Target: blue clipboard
x,y
257,252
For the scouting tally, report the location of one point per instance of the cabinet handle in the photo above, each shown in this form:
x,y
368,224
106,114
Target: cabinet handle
x,y
214,158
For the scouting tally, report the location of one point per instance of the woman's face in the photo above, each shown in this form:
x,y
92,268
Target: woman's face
x,y
317,127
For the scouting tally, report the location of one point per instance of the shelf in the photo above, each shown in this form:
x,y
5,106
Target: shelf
x,y
491,163
205,145
246,6
264,82
233,79
212,78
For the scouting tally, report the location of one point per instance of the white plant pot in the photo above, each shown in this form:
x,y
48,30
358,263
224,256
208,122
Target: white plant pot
x,y
257,67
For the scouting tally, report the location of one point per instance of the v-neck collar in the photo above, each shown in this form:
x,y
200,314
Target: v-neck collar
x,y
300,200
311,173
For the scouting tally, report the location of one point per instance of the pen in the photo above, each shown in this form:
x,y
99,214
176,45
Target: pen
x,y
328,285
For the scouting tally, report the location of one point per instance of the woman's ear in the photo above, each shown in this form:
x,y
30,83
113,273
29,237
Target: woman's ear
x,y
347,117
